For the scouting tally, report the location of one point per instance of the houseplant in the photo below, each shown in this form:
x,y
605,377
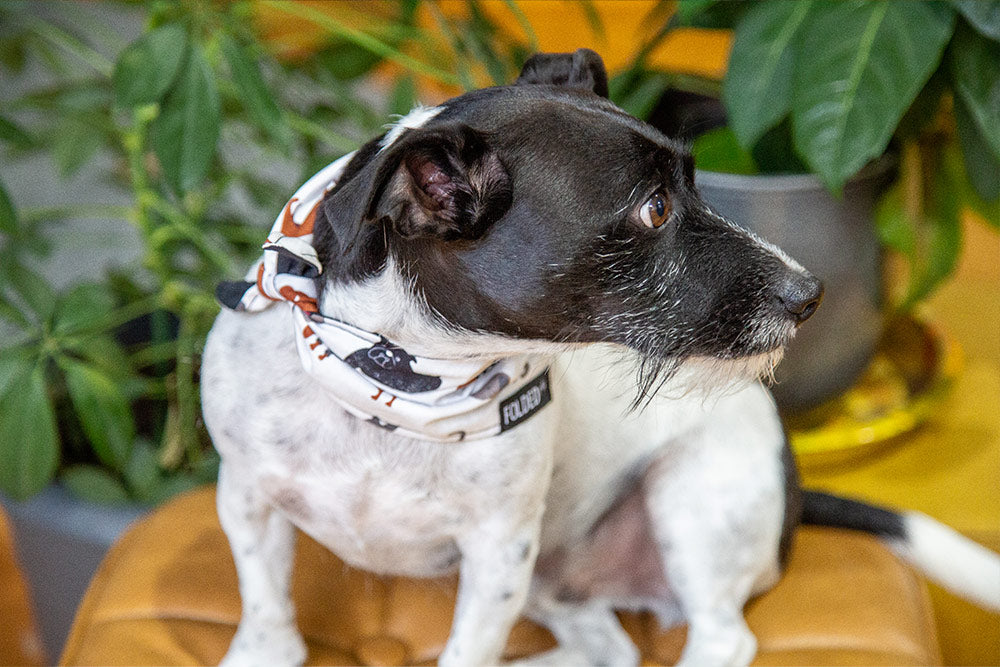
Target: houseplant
x,y
826,88
178,111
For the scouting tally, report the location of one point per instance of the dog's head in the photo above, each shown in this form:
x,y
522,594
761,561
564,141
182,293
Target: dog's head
x,y
540,211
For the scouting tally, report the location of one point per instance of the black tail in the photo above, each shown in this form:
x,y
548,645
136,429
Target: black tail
x,y
952,560
824,509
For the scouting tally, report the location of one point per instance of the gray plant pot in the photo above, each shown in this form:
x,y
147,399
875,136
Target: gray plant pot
x,y
60,542
835,239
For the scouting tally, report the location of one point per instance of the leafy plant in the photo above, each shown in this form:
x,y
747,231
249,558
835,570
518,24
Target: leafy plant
x,y
99,380
840,83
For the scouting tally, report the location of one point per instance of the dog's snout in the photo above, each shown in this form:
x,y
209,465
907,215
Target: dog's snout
x,y
800,295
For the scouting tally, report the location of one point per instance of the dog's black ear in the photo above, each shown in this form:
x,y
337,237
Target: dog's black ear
x,y
444,181
581,69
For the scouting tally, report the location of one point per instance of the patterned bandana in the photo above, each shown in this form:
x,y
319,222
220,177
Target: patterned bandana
x,y
441,400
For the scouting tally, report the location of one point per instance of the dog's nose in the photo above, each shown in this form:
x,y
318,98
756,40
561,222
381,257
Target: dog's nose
x,y
800,295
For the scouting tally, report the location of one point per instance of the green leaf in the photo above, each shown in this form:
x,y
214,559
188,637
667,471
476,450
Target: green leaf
x,y
187,129
640,99
989,211
29,442
31,289
774,152
688,10
942,239
983,15
83,306
721,14
925,108
257,98
866,63
981,166
171,485
16,135
142,473
718,150
74,142
15,364
13,52
146,67
8,216
103,412
593,18
757,90
347,61
94,484
894,228
932,242
404,96
975,75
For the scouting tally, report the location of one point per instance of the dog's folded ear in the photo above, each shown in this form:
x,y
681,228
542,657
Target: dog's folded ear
x,y
443,181
581,69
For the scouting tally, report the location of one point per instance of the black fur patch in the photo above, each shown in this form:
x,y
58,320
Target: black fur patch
x,y
824,509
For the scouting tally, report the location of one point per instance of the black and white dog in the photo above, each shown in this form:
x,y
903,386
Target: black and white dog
x,y
522,246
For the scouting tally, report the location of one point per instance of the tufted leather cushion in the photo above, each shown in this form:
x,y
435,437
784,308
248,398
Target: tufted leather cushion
x,y
167,594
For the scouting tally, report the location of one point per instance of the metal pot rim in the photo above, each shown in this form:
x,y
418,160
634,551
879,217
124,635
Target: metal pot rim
x,y
876,169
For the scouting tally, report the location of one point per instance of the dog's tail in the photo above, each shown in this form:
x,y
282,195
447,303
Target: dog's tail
x,y
955,562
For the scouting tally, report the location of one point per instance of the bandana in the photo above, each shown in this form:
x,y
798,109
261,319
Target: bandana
x,y
441,400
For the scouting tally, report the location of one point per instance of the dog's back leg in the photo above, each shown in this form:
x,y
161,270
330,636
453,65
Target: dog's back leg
x,y
262,542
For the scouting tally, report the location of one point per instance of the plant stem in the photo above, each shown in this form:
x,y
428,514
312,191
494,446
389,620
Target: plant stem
x,y
364,40
912,176
76,212
186,228
457,46
302,124
70,43
131,311
187,394
525,24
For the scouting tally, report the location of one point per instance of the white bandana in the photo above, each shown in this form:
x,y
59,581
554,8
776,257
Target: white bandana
x,y
442,400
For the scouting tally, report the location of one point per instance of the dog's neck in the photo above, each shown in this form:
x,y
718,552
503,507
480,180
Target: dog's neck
x,y
376,348
386,304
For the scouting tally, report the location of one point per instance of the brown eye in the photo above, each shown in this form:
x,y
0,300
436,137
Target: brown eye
x,y
655,211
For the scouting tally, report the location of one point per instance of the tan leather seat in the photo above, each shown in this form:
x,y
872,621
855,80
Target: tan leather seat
x,y
167,594
19,640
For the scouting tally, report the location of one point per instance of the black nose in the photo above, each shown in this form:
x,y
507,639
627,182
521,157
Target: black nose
x,y
800,295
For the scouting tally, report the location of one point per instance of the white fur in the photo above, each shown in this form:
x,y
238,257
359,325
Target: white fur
x,y
952,560
417,117
392,505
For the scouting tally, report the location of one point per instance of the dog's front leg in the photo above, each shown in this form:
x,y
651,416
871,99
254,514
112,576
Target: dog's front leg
x,y
262,542
497,564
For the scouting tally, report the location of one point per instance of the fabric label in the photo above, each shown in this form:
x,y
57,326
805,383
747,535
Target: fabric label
x,y
531,398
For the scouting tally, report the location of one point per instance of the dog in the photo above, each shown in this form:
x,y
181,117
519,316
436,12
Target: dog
x,y
576,423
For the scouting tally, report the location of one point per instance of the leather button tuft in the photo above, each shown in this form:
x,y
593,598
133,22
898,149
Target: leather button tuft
x,y
380,651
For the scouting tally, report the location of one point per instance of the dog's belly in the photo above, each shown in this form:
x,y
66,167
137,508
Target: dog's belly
x,y
385,516
619,559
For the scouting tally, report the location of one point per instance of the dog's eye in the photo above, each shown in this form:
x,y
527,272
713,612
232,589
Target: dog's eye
x,y
655,211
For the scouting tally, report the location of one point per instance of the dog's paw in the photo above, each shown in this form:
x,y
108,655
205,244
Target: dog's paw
x,y
726,647
265,647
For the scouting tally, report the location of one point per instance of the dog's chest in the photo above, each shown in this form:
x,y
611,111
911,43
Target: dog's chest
x,y
386,503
